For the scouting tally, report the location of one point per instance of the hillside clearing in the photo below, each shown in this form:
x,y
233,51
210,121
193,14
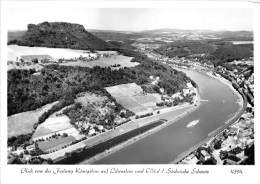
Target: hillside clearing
x,y
58,124
132,97
22,123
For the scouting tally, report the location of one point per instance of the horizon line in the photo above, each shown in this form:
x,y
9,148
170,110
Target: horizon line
x,y
143,30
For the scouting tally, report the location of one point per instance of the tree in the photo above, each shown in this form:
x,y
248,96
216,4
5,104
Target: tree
x,y
35,61
64,135
49,161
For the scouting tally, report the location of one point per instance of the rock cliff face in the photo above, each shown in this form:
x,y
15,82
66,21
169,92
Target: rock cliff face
x,y
61,35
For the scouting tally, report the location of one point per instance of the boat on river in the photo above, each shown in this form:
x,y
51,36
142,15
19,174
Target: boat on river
x,y
192,124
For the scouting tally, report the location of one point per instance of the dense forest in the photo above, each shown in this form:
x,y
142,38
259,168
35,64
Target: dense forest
x,y
185,48
230,52
217,51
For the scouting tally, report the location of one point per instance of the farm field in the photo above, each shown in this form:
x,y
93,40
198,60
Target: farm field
x,y
59,124
129,89
22,123
15,51
147,100
131,97
55,143
121,60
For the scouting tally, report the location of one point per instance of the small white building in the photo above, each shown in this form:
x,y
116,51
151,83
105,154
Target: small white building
x,y
176,95
161,90
30,148
205,154
19,151
189,85
186,91
100,127
91,132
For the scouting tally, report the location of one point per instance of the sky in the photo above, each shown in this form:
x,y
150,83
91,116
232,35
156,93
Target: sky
x,y
131,19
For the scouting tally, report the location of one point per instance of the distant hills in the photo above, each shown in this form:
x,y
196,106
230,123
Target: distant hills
x,y
14,35
133,35
58,35
174,34
173,42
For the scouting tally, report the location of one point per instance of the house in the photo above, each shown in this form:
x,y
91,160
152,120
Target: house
x,y
27,157
30,148
189,85
205,154
186,92
161,90
19,151
176,95
100,127
91,132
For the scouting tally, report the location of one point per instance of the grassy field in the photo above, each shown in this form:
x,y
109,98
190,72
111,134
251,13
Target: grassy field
x,y
54,125
145,99
55,143
129,89
22,123
15,51
121,60
131,97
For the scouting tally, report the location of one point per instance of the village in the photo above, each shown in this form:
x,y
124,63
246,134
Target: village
x,y
235,144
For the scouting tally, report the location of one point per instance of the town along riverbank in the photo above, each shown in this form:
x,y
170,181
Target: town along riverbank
x,y
242,101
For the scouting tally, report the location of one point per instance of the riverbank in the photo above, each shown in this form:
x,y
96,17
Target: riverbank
x,y
139,137
118,131
218,104
234,119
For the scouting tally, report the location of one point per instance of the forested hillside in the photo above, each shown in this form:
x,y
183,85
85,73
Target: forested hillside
x,y
60,35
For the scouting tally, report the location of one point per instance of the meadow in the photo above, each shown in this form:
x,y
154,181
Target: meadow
x,y
15,51
22,123
54,125
119,61
132,97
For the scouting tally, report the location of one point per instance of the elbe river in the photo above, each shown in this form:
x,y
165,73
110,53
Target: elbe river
x,y
219,104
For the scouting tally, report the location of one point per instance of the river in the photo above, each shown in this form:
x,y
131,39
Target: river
x,y
219,104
